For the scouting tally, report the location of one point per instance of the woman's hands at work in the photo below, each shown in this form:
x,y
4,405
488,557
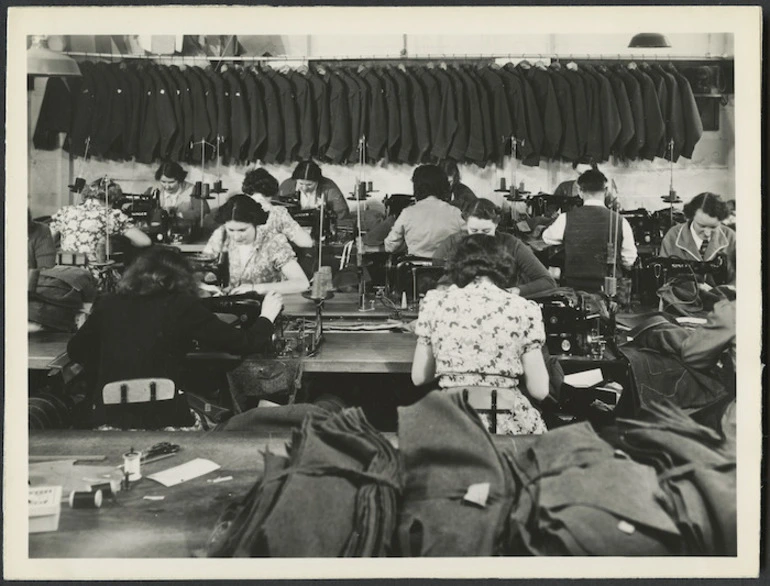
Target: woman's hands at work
x,y
246,288
272,305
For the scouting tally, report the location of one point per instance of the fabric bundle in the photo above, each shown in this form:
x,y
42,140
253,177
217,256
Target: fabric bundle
x,y
334,495
578,496
458,490
407,113
696,470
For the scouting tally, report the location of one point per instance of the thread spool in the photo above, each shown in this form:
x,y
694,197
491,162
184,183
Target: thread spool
x,y
108,489
132,465
502,184
404,304
370,186
362,190
197,189
205,190
217,186
610,286
85,499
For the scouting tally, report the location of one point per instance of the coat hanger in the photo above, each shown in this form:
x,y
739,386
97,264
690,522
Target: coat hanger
x,y
572,66
402,67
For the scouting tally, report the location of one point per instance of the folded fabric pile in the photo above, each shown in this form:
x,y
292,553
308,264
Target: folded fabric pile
x,y
696,470
458,490
579,496
333,495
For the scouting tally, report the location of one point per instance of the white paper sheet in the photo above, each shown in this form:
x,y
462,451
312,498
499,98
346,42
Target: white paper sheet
x,y
184,472
585,379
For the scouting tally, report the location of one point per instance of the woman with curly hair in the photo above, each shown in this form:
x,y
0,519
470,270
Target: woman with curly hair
x,y
262,187
145,330
476,336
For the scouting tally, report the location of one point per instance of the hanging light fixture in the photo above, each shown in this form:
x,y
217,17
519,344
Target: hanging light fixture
x,y
42,61
649,41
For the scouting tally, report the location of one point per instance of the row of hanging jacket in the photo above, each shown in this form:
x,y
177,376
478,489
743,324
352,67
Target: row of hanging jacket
x,y
407,114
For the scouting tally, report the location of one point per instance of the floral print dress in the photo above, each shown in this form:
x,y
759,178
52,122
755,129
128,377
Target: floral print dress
x,y
83,229
260,263
280,222
478,334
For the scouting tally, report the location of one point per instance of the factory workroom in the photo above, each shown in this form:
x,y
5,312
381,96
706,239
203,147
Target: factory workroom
x,y
286,303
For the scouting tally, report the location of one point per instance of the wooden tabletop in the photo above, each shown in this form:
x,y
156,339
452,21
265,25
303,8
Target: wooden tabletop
x,y
180,524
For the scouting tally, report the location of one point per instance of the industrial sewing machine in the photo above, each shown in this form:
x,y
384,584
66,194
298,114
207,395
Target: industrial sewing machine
x,y
575,324
657,271
292,337
647,228
309,219
147,214
410,277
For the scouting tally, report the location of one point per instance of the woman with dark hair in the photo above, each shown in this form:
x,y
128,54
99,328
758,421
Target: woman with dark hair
x,y
176,194
261,186
145,330
83,228
260,260
703,236
423,226
475,335
460,195
312,187
528,275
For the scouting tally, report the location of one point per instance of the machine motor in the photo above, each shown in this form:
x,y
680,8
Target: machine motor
x,y
575,324
412,275
647,229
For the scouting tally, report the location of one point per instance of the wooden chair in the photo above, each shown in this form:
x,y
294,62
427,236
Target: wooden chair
x,y
139,390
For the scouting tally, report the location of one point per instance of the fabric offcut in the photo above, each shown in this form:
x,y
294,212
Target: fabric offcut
x,y
334,495
696,470
445,450
578,496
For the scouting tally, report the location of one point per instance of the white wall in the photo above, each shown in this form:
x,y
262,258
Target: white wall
x,y
640,183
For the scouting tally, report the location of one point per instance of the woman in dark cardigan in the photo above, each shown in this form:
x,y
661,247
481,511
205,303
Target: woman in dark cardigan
x,y
145,330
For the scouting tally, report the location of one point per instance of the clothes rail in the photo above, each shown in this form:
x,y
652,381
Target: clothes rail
x,y
428,57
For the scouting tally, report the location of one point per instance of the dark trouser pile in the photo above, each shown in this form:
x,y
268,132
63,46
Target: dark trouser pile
x,y
696,470
458,490
578,496
334,495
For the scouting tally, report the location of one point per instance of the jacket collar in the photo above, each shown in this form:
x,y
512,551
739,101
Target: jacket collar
x,y
684,241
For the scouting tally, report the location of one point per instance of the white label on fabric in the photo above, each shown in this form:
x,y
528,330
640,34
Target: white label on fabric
x,y
477,494
626,527
163,91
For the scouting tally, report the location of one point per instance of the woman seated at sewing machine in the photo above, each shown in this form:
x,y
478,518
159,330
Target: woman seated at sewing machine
x,y
262,187
483,217
145,330
703,236
176,194
312,187
476,336
84,228
260,260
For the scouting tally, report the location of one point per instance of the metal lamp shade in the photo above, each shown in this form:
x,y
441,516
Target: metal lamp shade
x,y
649,41
42,61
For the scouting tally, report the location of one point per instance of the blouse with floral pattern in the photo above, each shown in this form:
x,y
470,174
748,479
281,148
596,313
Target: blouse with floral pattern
x,y
259,263
478,334
83,227
280,222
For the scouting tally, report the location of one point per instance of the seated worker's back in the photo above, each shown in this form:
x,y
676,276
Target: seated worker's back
x,y
423,226
146,329
585,232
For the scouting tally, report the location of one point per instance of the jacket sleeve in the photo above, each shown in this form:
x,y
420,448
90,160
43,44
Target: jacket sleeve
x,y
394,241
337,201
536,276
83,347
701,349
444,251
44,249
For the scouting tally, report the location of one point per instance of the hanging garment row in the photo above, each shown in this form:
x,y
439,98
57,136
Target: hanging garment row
x,y
407,114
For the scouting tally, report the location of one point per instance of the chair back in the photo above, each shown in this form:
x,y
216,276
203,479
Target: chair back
x,y
138,390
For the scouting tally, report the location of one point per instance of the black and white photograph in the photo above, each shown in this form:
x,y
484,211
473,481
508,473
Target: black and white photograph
x,y
387,283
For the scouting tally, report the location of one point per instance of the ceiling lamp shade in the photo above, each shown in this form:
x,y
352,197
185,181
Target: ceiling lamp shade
x,y
42,61
649,41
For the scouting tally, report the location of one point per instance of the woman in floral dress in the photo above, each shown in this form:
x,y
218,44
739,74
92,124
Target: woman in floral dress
x,y
261,260
83,229
475,335
261,186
